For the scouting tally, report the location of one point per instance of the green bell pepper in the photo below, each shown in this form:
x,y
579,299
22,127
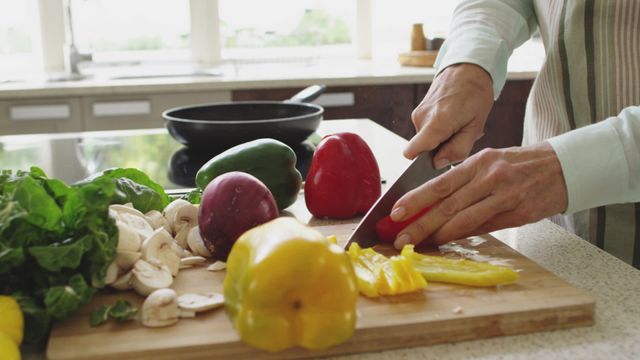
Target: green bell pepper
x,y
269,160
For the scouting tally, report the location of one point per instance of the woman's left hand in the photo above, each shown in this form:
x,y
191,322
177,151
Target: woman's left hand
x,y
491,190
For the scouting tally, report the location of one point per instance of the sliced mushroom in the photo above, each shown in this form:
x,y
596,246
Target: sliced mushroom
x,y
158,247
157,220
126,259
185,219
123,282
178,250
112,273
170,211
196,244
148,277
217,266
200,302
137,223
193,260
128,239
160,308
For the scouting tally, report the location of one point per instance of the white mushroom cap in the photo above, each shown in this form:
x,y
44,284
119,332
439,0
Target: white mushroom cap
x,y
184,220
123,282
157,220
126,259
196,244
128,239
170,211
160,308
159,247
148,277
200,302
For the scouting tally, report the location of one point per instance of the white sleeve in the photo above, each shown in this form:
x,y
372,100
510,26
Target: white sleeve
x,y
601,162
485,33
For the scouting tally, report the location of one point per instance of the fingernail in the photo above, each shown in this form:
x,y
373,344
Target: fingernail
x,y
398,213
401,241
441,163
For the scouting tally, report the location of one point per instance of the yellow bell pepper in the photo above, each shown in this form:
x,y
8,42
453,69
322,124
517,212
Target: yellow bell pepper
x,y
378,275
288,285
459,271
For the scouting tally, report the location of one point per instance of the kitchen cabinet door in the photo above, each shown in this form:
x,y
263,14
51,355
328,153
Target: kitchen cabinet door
x,y
40,116
139,111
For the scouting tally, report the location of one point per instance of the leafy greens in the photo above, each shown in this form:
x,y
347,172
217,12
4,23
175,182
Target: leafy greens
x,y
57,241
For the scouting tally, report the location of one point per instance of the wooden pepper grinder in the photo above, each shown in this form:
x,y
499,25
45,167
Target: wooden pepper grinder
x,y
418,40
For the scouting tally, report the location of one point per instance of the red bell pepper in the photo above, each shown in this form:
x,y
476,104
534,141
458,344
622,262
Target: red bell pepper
x,y
343,179
387,229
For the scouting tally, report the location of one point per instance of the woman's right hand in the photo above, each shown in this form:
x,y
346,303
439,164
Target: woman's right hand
x,y
453,113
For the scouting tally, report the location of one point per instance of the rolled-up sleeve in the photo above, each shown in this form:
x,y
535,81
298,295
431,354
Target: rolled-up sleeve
x,y
601,162
485,33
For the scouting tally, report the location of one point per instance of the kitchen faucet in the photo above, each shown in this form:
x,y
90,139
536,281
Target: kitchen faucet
x,y
72,57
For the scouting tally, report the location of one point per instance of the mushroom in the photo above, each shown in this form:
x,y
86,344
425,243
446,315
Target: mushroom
x,y
150,276
184,220
158,248
160,308
192,260
126,259
170,211
217,266
196,244
155,218
134,218
128,239
123,282
198,302
111,274
137,223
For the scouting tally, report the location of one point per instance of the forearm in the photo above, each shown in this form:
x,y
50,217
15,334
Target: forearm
x,y
485,32
601,162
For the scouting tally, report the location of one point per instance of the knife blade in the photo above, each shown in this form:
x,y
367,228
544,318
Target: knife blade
x,y
417,173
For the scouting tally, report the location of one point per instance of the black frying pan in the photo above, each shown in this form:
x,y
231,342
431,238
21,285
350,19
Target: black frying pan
x,y
223,125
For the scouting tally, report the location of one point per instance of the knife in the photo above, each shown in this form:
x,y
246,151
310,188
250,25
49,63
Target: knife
x,y
416,174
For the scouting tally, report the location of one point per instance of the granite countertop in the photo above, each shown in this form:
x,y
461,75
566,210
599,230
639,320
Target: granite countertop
x,y
523,65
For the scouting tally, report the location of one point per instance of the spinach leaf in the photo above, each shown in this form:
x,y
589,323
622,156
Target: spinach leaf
x,y
121,310
61,301
133,185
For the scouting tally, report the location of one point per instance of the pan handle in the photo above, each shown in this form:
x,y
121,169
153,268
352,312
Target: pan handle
x,y
308,94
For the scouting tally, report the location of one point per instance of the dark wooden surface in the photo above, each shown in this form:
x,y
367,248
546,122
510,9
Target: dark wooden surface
x,y
391,107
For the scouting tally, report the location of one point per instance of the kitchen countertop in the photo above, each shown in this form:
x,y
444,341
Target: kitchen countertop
x,y
523,65
614,284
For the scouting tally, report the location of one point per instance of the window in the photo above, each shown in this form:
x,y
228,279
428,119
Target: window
x,y
117,30
392,21
18,24
284,29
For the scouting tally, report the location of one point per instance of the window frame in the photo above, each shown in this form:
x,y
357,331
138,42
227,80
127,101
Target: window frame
x,y
205,32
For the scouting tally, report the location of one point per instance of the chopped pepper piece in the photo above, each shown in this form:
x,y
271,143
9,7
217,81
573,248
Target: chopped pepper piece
x,y
459,271
288,285
379,275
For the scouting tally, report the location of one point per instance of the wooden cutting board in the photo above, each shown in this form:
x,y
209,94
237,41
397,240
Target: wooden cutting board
x,y
538,301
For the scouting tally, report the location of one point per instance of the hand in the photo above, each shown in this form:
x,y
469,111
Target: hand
x,y
453,113
491,190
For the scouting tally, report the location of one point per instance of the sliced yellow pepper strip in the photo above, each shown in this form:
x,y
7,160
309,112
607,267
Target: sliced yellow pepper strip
x,y
459,271
379,275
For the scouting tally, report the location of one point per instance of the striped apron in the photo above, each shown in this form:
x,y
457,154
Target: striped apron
x,y
591,72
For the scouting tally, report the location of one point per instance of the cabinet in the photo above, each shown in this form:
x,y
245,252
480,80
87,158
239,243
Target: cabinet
x,y
391,106
92,113
139,111
40,116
